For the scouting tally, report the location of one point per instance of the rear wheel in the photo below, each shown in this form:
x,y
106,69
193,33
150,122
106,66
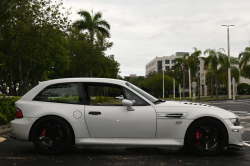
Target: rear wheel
x,y
51,135
207,137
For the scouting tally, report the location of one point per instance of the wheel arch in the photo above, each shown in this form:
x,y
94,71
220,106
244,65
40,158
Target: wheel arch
x,y
71,128
185,137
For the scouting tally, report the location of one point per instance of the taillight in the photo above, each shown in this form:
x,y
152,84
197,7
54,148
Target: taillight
x,y
19,113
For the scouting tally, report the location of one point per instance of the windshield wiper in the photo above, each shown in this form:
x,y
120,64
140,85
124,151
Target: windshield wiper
x,y
159,101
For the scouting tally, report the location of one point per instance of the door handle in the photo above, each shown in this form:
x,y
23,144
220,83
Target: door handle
x,y
94,113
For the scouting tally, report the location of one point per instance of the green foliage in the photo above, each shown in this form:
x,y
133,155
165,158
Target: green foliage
x,y
74,99
94,99
87,49
32,41
245,72
7,109
244,57
153,83
37,43
108,98
243,89
100,99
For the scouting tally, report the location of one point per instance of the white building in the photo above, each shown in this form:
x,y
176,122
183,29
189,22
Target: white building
x,y
168,61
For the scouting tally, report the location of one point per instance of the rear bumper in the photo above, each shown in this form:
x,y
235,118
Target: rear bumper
x,y
20,128
12,136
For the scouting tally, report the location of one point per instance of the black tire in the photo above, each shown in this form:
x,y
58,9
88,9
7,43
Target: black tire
x,y
51,135
207,137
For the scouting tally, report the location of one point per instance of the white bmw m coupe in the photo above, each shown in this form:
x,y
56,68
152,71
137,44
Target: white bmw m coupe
x,y
84,111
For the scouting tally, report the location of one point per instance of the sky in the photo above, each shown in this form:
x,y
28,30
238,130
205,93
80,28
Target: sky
x,y
144,29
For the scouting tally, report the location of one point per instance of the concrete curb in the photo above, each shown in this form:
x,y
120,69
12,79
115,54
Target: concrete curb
x,y
4,128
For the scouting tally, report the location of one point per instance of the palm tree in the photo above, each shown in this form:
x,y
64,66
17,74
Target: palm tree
x,y
195,58
94,24
182,62
223,71
244,58
212,61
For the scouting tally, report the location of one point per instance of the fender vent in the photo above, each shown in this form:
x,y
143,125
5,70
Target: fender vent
x,y
172,115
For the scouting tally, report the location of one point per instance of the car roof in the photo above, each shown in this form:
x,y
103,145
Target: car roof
x,y
34,91
84,79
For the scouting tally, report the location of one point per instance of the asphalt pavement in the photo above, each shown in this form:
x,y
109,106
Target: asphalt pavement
x,y
13,152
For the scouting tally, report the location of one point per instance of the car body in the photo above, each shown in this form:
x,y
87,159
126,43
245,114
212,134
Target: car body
x,y
119,97
57,113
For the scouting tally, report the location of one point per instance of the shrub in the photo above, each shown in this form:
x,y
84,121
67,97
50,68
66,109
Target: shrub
x,y
109,98
101,99
242,88
94,99
7,109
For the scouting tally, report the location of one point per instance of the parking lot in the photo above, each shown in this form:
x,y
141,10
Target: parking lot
x,y
13,152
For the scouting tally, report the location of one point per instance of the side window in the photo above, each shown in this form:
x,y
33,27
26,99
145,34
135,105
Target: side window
x,y
137,101
59,93
104,94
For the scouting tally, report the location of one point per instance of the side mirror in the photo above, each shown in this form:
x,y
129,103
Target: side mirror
x,y
128,103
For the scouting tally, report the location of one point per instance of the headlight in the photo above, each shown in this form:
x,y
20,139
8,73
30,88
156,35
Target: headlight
x,y
236,121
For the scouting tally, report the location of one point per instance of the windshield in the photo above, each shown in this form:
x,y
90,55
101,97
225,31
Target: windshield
x,y
142,92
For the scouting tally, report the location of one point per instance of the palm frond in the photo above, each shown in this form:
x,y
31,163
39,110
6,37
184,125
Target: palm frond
x,y
244,57
103,31
85,14
97,17
80,24
103,23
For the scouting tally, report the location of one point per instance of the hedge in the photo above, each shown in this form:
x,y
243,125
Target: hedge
x,y
243,89
100,99
7,108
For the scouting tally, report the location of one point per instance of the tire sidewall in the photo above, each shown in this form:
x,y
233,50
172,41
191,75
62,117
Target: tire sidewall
x,y
223,136
37,130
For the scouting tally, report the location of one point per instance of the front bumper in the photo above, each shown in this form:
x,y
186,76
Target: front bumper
x,y
234,135
20,128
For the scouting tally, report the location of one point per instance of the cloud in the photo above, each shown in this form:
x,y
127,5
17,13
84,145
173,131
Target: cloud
x,y
143,29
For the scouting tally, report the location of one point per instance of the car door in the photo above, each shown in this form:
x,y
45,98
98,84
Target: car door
x,y
108,118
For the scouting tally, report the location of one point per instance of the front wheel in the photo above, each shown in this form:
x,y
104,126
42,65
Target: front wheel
x,y
207,137
51,135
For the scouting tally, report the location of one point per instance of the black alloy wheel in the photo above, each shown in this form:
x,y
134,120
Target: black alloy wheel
x,y
51,135
207,137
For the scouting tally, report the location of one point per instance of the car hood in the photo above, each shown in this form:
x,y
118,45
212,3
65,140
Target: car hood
x,y
193,109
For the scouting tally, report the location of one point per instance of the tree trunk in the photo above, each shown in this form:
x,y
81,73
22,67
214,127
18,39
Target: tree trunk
x,y
211,86
216,79
198,78
10,83
183,80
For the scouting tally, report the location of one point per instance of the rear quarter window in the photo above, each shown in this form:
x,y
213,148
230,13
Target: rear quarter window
x,y
59,93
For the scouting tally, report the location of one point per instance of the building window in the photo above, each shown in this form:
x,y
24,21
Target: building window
x,y
166,67
159,65
172,61
166,61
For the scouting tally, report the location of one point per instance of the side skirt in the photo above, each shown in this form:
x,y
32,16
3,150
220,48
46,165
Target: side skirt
x,y
128,142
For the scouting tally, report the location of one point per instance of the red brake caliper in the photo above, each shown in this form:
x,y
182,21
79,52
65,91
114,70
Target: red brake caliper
x,y
197,136
43,132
